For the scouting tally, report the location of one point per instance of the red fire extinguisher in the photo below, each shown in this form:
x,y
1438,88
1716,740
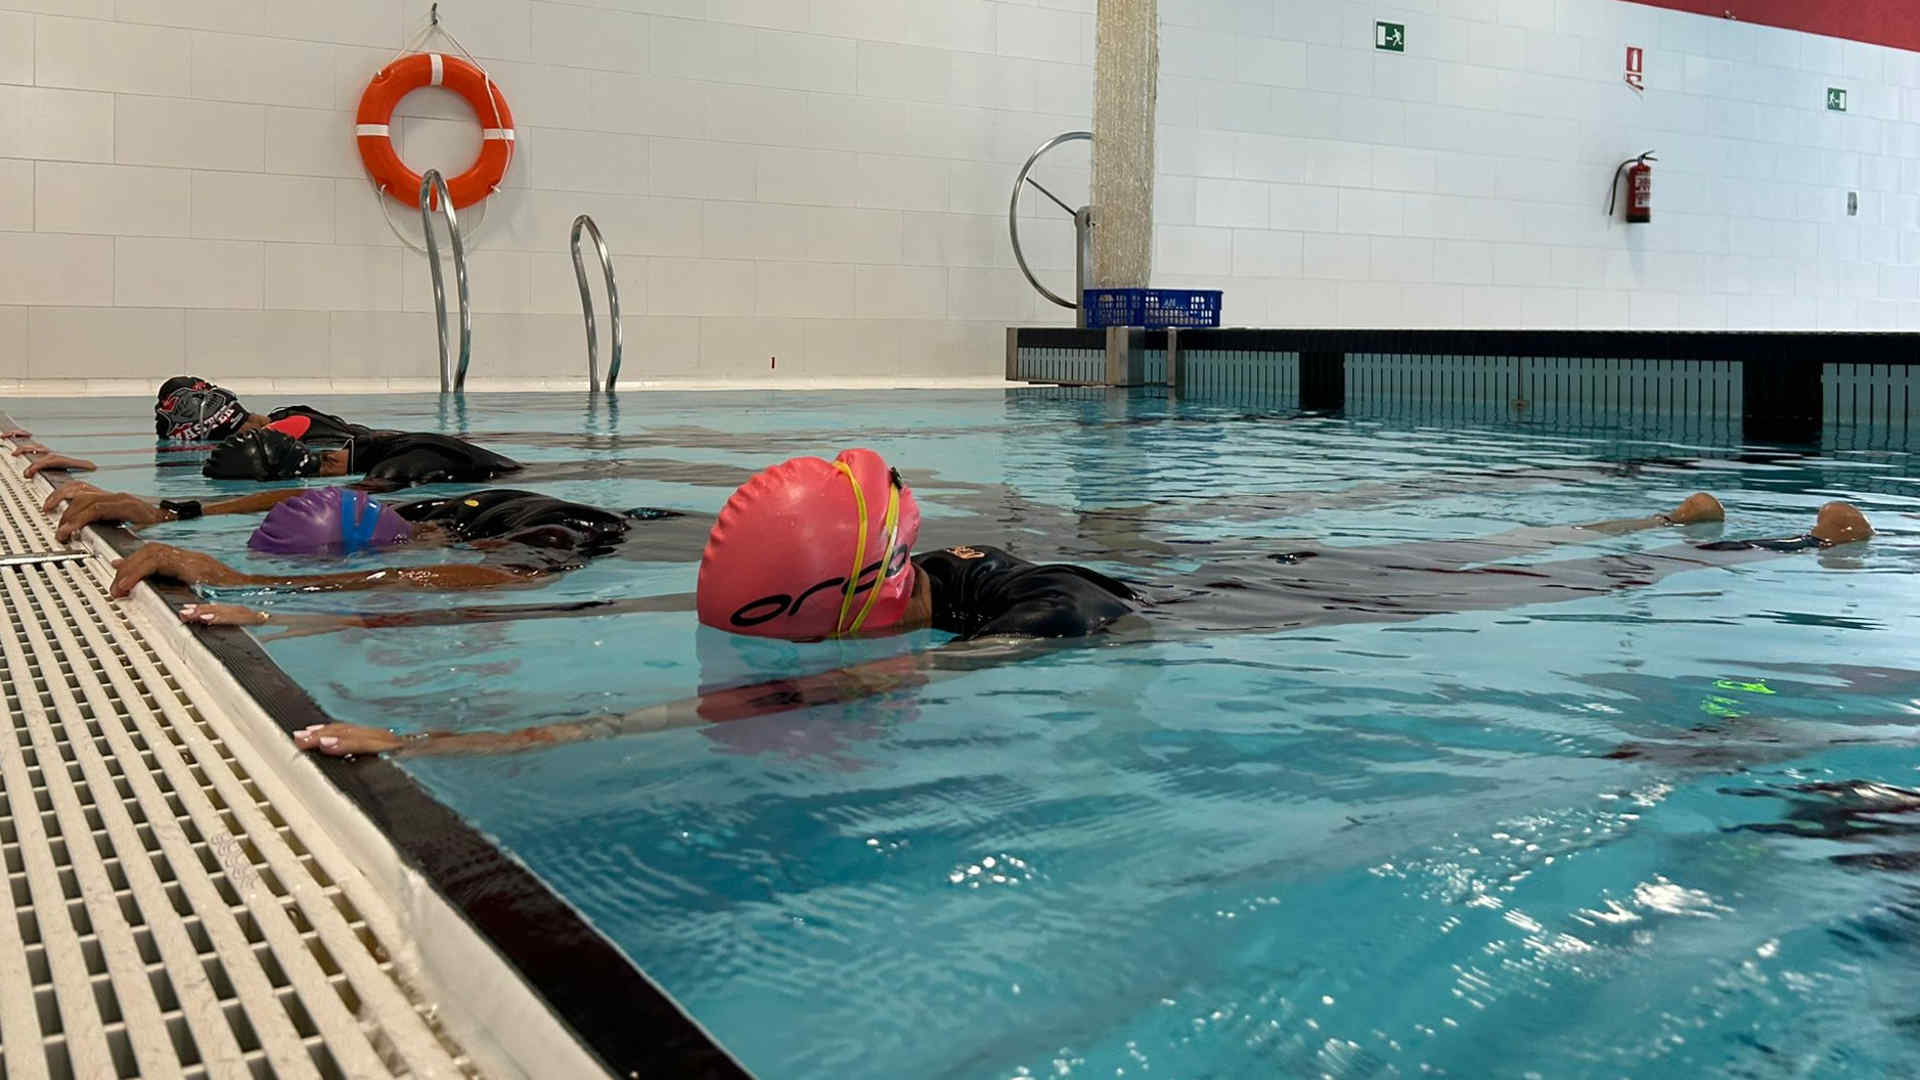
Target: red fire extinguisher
x,y
1639,174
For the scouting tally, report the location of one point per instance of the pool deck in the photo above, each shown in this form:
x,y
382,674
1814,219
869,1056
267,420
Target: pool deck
x,y
186,895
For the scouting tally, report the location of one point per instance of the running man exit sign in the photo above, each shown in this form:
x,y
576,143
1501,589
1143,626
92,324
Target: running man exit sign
x,y
1836,99
1390,36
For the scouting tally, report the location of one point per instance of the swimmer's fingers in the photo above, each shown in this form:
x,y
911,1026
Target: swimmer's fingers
x,y
167,561
339,740
107,506
222,615
16,433
59,461
30,449
67,492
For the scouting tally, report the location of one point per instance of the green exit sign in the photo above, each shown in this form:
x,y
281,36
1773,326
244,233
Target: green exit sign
x,y
1836,99
1391,36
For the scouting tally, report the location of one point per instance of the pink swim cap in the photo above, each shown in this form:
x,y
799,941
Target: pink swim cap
x,y
778,560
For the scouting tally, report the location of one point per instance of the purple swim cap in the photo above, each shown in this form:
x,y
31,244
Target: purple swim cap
x,y
329,521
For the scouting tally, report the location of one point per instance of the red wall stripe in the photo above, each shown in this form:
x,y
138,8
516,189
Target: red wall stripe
x,y
1880,22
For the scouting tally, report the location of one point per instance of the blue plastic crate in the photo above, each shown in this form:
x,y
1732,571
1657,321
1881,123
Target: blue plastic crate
x,y
1155,309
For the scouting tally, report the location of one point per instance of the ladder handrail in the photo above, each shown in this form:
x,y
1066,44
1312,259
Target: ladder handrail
x,y
1082,225
586,223
450,379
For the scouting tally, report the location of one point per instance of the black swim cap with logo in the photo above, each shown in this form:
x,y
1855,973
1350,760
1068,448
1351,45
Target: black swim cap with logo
x,y
190,409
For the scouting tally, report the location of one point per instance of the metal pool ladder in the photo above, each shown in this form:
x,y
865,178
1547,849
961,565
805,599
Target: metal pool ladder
x,y
583,223
450,377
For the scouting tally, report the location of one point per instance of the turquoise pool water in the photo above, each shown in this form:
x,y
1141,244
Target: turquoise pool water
x,y
1666,831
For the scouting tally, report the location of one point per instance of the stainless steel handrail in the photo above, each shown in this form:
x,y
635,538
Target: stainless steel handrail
x,y
450,378
1082,225
583,222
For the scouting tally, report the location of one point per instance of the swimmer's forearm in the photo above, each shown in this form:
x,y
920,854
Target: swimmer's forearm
x,y
450,577
1622,526
841,685
250,504
740,703
451,743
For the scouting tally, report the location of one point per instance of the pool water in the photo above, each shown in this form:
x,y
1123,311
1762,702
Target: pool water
x,y
1666,831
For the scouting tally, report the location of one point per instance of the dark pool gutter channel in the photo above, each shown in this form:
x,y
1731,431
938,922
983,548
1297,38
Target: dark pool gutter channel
x,y
614,1009
1786,393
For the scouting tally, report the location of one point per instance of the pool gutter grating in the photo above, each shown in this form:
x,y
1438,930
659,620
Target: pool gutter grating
x,y
161,914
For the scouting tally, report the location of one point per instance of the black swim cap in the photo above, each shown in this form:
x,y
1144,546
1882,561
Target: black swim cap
x,y
261,454
167,388
191,409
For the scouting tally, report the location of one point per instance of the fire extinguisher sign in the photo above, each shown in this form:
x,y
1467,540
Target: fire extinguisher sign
x,y
1636,68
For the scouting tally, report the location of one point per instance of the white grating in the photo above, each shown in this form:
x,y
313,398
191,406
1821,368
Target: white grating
x,y
161,917
23,528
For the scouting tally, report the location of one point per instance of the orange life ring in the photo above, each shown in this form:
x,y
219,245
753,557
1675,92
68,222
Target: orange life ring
x,y
403,77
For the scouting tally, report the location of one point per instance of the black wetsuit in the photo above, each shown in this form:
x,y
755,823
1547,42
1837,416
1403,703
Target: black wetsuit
x,y
315,428
539,533
985,592
397,459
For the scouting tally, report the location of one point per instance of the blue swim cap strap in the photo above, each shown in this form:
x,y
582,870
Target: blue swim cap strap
x,y
359,516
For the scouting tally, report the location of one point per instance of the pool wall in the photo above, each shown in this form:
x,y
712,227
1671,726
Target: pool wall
x,y
822,188
1796,388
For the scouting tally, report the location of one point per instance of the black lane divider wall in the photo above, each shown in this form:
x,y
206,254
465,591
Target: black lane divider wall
x,y
1768,386
617,1012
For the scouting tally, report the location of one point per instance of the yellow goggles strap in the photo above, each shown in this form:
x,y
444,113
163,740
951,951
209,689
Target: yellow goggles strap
x,y
891,530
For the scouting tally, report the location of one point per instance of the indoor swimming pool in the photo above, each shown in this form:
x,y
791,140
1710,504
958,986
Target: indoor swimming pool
x,y
1666,830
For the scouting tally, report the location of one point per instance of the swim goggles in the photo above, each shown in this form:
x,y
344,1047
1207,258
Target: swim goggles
x,y
890,533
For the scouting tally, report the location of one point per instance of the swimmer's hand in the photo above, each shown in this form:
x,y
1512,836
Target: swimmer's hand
x,y
289,625
89,507
178,564
16,433
58,461
31,449
222,615
340,740
68,491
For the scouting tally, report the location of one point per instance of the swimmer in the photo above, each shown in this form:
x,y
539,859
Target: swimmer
x,y
192,410
189,409
388,460
781,555
526,537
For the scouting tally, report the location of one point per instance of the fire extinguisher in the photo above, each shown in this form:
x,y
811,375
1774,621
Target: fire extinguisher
x,y
1639,176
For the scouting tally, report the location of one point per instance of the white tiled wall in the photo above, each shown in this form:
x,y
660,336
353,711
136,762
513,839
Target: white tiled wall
x,y
817,187
1316,180
790,187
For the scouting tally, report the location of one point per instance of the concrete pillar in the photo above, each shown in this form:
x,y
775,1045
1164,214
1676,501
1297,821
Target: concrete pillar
x,y
1126,75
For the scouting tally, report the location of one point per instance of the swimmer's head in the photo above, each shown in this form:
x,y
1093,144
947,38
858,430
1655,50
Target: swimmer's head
x,y
780,558
190,409
262,454
329,521
1841,523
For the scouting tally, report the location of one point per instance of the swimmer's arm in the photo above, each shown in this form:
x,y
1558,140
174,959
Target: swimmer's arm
x,y
88,504
294,624
1693,510
195,568
853,683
